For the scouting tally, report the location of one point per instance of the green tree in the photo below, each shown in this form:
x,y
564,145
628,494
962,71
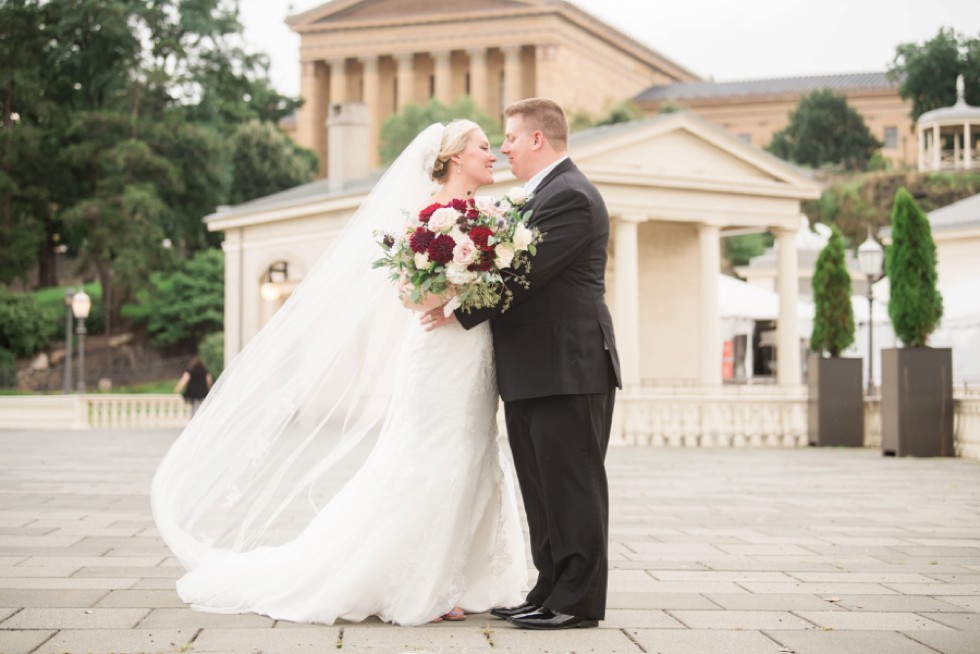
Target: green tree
x,y
265,160
28,154
833,322
182,307
399,130
741,249
927,72
916,306
116,117
824,129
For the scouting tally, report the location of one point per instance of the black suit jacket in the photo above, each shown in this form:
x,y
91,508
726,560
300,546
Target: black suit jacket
x,y
556,338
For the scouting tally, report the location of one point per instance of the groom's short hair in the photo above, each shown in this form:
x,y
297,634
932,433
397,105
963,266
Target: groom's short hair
x,y
545,116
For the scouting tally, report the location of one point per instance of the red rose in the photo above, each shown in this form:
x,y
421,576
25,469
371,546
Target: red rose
x,y
459,205
420,240
485,263
441,248
426,213
480,235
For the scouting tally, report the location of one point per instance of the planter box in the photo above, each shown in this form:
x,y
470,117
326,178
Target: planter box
x,y
917,402
835,402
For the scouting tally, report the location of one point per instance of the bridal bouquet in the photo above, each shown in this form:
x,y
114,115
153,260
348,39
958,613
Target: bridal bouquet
x,y
466,248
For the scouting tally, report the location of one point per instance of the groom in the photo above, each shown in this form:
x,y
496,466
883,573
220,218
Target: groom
x,y
557,371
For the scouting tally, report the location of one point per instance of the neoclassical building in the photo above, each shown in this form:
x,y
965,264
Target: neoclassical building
x,y
675,186
387,54
754,110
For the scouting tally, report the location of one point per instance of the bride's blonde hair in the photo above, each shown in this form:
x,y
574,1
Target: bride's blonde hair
x,y
454,139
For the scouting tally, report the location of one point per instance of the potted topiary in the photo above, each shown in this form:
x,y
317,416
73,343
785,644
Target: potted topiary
x,y
916,380
835,405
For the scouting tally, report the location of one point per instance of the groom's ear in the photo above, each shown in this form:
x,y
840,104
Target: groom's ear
x,y
537,140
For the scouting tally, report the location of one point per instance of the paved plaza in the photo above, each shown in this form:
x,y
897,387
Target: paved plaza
x,y
713,551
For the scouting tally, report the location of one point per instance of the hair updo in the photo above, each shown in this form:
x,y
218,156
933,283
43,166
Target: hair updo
x,y
454,139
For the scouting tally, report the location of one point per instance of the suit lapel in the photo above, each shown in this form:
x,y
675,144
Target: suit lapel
x,y
560,169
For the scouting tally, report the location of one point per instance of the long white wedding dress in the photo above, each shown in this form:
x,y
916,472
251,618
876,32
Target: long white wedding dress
x,y
346,463
428,522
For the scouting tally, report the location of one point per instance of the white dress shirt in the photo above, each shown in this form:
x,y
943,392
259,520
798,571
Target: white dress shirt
x,y
532,184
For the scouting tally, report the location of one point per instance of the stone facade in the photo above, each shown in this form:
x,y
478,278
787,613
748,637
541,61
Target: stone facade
x,y
755,110
391,53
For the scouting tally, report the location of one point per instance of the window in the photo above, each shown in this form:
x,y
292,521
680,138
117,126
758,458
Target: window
x,y
891,138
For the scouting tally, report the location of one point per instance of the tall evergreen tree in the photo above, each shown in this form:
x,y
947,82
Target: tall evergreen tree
x,y
916,306
833,322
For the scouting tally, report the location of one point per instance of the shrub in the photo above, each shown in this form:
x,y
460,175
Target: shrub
x,y
833,322
916,305
212,353
22,324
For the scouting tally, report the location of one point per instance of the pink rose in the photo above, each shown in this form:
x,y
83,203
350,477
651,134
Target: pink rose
x,y
465,251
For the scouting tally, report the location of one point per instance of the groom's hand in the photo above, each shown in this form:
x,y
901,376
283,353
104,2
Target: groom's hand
x,y
436,318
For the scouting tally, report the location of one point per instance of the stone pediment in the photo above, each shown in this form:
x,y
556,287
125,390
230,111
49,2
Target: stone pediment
x,y
682,146
346,12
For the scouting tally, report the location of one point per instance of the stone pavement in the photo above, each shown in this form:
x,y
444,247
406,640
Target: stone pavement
x,y
741,551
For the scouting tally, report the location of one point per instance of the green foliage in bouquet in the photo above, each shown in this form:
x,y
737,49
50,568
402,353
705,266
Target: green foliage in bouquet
x,y
916,306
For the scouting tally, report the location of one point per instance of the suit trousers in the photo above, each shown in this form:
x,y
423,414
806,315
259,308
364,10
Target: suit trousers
x,y
559,446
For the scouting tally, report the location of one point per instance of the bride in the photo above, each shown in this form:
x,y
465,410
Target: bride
x,y
346,464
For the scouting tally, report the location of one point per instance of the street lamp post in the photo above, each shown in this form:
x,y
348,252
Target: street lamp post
x,y
68,324
81,304
870,258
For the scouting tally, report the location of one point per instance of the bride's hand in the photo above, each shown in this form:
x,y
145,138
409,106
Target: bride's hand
x,y
436,318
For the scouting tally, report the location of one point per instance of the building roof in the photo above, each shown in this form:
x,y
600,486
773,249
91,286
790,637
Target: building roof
x,y
964,213
959,112
766,87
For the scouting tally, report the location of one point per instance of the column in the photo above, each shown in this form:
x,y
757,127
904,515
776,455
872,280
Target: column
x,y
444,77
967,149
310,127
406,79
370,99
338,80
512,73
922,149
937,149
478,78
628,298
789,372
709,241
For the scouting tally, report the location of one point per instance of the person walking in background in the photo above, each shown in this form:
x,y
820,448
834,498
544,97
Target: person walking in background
x,y
195,384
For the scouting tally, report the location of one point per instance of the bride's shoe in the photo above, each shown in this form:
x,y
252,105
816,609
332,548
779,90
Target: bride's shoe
x,y
456,615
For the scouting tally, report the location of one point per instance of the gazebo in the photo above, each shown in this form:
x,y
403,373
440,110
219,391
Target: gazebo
x,y
948,137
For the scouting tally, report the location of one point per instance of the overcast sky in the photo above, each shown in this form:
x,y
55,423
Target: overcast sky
x,y
718,39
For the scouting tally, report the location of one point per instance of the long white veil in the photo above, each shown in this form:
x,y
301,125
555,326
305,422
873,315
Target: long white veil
x,y
296,411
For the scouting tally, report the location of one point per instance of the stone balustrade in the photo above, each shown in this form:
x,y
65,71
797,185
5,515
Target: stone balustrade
x,y
747,416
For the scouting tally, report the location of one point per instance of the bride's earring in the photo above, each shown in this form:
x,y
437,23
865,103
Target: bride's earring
x,y
459,168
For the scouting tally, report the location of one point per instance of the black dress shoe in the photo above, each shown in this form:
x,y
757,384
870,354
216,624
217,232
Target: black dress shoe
x,y
510,611
545,618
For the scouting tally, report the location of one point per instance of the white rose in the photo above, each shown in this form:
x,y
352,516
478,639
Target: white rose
x,y
421,260
517,196
522,237
505,255
443,220
459,275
